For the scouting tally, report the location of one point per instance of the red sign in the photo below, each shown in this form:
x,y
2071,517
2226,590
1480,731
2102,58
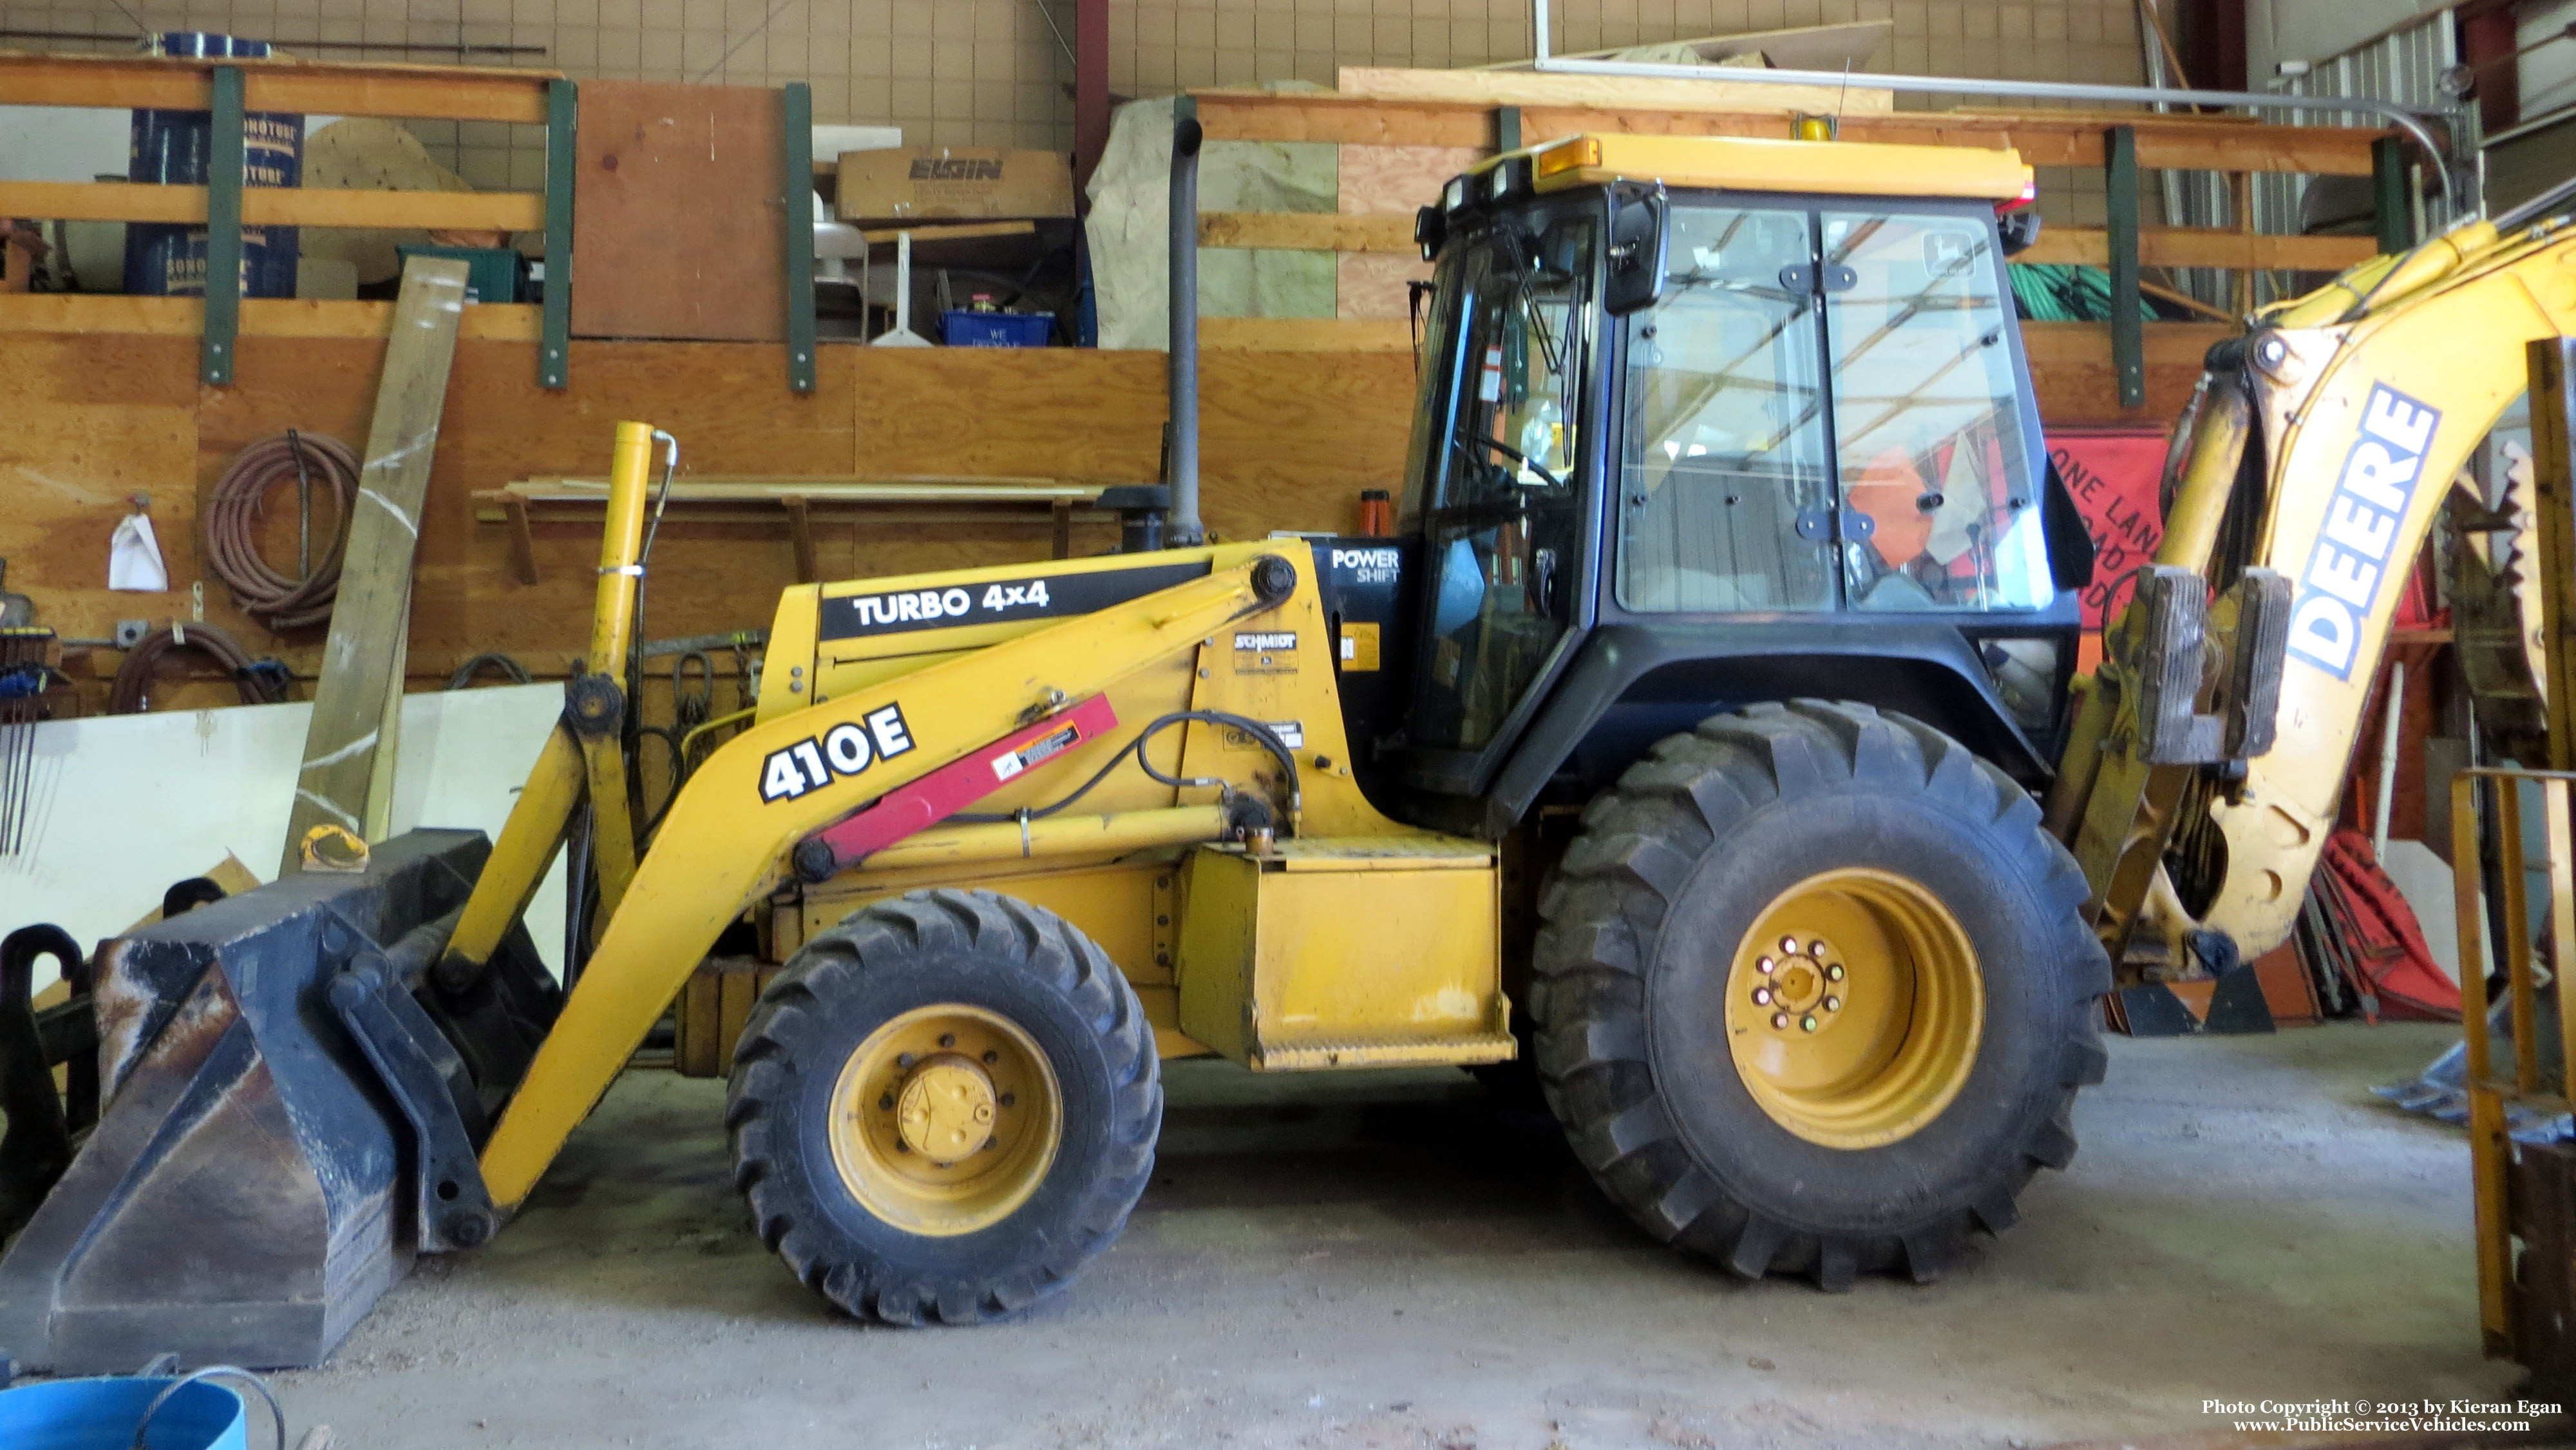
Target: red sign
x,y
2113,474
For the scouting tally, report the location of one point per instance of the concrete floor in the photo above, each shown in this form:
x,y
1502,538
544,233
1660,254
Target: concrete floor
x,y
1391,1262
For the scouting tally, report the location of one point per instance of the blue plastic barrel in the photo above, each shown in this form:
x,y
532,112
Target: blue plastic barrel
x,y
101,1414
169,260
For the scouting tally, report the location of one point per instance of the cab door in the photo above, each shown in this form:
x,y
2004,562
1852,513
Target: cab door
x,y
1499,495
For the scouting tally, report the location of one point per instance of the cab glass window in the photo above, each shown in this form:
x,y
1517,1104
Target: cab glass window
x,y
1502,525
1927,424
1725,499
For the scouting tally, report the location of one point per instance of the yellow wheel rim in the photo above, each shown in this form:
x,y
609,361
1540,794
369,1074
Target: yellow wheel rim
x,y
945,1120
1854,1007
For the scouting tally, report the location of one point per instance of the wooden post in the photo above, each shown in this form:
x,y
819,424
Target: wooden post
x,y
363,658
2128,335
224,161
800,536
1090,94
2552,363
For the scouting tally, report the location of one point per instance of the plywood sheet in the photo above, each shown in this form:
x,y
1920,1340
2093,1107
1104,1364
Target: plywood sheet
x,y
1376,284
678,193
85,423
1377,179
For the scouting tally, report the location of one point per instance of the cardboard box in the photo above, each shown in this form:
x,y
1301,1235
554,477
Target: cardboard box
x,y
953,183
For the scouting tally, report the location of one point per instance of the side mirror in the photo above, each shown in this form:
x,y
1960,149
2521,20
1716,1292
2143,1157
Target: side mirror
x,y
1640,229
1430,229
2019,229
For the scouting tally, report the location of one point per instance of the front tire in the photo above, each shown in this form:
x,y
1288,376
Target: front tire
x,y
1814,993
944,1107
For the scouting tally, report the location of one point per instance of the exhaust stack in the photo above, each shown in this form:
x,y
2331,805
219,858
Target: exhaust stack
x,y
1181,468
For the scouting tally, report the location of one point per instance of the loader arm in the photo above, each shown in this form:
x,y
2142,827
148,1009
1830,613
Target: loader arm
x,y
2358,404
726,840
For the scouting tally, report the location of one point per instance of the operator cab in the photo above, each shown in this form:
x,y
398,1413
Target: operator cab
x,y
1727,409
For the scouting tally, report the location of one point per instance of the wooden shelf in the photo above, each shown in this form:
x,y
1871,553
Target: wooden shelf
x,y
803,502
277,206
170,83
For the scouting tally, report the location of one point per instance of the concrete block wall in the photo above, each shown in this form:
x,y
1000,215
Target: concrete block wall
x,y
997,72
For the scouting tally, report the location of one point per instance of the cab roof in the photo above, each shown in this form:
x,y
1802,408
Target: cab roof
x,y
1746,163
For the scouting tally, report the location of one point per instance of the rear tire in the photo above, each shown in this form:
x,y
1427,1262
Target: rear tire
x,y
1703,1116
881,1054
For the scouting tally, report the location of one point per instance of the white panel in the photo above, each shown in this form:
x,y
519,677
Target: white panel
x,y
121,806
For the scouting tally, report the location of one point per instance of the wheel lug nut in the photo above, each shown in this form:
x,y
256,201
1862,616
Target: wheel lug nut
x,y
903,1060
992,1143
1010,1099
1833,1004
885,1102
1807,1023
991,1057
1761,996
1820,946
1764,966
949,1039
1789,946
1834,973
1780,1019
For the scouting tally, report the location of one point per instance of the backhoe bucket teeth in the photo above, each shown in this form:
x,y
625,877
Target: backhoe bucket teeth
x,y
257,1173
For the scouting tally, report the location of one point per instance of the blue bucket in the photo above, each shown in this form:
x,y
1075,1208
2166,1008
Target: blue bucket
x,y
101,1414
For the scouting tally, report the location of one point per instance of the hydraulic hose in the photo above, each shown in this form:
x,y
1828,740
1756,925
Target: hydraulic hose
x,y
261,682
232,527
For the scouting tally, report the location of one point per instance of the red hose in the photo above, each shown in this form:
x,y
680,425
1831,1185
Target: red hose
x,y
232,528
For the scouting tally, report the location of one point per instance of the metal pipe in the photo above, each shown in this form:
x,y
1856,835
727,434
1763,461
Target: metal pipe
x,y
2397,115
1053,836
1182,472
2388,762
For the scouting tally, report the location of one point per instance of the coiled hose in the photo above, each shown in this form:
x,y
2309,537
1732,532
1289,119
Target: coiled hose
x,y
261,682
232,527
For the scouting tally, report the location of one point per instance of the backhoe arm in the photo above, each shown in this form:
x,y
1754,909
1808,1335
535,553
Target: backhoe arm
x,y
726,840
2358,405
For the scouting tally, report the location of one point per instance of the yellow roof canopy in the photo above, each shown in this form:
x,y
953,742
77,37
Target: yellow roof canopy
x,y
1744,163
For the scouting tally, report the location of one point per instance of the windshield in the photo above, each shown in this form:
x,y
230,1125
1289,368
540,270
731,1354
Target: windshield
x,y
1755,478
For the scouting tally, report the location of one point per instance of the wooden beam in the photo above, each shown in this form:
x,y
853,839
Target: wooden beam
x,y
1349,120
1525,88
2044,138
161,83
277,206
1305,334
53,312
2202,247
1291,231
950,232
370,620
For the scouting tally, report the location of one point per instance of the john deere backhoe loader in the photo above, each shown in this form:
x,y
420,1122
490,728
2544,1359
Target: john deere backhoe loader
x,y
1686,741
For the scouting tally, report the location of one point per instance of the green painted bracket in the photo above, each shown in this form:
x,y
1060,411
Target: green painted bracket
x,y
796,176
1507,128
2128,333
224,161
2389,185
554,346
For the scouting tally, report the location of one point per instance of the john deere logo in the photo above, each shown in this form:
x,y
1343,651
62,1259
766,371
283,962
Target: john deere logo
x,y
955,168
